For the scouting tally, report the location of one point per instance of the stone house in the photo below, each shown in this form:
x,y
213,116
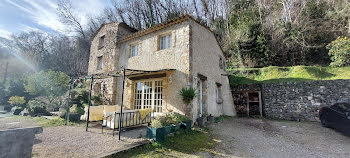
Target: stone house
x,y
175,54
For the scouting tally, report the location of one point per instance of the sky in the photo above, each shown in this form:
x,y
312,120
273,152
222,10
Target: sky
x,y
31,15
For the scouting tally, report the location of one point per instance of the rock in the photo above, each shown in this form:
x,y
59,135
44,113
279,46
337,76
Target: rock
x,y
24,112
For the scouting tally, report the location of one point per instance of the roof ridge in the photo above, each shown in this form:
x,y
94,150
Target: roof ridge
x,y
159,26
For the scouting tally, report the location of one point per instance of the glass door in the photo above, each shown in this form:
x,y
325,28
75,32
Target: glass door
x,y
148,94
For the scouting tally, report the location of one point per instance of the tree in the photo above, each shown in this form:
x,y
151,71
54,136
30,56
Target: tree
x,y
50,84
339,50
17,101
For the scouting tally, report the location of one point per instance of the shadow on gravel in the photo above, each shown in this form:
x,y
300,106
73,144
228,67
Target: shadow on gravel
x,y
261,124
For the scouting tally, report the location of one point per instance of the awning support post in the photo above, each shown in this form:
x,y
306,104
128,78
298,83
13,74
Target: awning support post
x,y
121,105
89,104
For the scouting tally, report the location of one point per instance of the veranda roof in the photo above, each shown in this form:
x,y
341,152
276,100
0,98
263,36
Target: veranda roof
x,y
130,73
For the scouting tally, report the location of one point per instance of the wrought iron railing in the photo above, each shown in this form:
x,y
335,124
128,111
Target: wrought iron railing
x,y
129,118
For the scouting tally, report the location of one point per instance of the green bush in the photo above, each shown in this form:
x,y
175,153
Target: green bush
x,y
169,119
17,101
77,109
73,116
97,100
175,118
339,50
36,107
157,123
187,94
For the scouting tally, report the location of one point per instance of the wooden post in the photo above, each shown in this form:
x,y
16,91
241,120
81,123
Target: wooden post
x,y
89,104
121,105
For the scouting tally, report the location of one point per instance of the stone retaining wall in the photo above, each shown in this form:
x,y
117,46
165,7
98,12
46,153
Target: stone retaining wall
x,y
18,142
302,100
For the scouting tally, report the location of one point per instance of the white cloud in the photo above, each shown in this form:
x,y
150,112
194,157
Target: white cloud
x,y
5,34
41,12
27,28
44,13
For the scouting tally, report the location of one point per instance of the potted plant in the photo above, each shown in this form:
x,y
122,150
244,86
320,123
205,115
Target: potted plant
x,y
156,131
187,94
162,126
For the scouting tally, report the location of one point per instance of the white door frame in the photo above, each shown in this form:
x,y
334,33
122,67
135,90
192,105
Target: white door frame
x,y
153,80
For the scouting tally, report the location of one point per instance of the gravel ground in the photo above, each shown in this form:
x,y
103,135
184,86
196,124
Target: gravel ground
x,y
246,137
72,141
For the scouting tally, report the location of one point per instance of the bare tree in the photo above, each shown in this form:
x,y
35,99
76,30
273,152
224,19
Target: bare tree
x,y
67,17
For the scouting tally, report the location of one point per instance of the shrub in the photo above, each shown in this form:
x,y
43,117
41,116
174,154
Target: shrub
x,y
77,109
96,100
157,123
17,101
339,50
74,117
187,94
175,118
36,107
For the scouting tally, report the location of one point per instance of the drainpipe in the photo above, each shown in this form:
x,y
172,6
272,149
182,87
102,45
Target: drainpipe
x,y
200,98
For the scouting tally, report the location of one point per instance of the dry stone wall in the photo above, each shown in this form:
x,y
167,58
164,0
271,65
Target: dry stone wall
x,y
302,100
299,100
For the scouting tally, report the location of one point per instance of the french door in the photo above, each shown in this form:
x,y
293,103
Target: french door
x,y
148,94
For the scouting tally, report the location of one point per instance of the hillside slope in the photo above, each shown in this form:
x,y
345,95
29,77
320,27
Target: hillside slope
x,y
284,74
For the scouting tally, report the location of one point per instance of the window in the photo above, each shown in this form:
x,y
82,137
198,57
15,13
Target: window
x,y
99,63
165,42
342,107
134,50
102,41
148,94
218,93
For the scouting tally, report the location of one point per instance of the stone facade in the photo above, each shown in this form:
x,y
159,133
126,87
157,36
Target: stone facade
x,y
300,100
194,52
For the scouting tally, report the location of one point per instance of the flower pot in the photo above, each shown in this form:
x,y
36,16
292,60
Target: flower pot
x,y
157,134
168,129
202,121
188,125
211,119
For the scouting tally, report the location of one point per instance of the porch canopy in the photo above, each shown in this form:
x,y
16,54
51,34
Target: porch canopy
x,y
132,74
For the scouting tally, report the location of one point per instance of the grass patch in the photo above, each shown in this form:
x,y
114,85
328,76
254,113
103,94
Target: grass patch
x,y
179,145
41,121
275,74
57,121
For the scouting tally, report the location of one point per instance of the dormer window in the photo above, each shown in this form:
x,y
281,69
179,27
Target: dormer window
x,y
99,63
134,50
165,42
101,42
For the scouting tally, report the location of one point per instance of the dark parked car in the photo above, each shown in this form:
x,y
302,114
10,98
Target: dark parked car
x,y
337,117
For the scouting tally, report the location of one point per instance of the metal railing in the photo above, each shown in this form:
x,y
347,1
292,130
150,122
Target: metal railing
x,y
129,118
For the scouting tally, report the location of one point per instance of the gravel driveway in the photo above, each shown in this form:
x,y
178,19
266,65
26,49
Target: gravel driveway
x,y
71,141
247,137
